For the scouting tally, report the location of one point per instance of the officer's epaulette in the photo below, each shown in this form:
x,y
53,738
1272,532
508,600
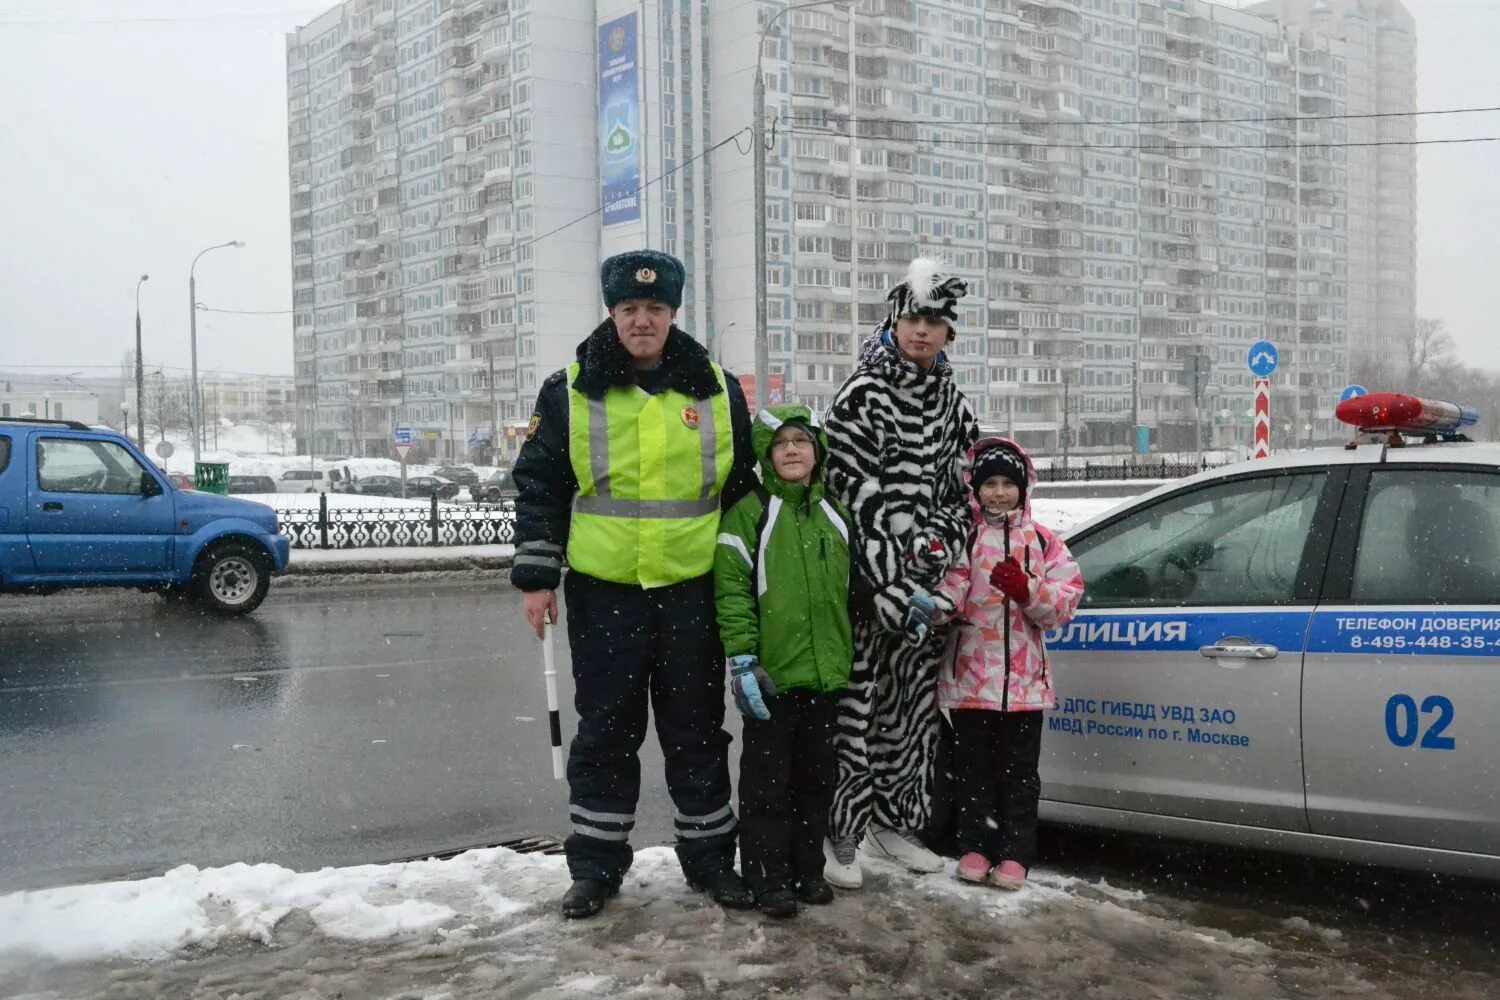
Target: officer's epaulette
x,y
556,378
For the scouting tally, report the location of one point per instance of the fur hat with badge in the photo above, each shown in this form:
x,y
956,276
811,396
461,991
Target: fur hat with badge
x,y
927,291
998,460
642,274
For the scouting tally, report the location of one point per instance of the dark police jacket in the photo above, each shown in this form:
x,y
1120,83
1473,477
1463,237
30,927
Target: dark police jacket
x,y
544,470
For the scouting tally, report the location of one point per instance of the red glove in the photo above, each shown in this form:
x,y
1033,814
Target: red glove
x,y
1010,579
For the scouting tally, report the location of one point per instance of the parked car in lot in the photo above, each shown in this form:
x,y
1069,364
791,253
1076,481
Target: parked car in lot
x,y
378,486
341,480
460,474
426,486
498,488
302,481
252,484
182,480
84,508
1300,653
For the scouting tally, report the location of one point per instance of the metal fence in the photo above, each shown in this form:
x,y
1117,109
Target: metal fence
x,y
394,527
1101,471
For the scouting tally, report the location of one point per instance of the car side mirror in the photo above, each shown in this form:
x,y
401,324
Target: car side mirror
x,y
149,486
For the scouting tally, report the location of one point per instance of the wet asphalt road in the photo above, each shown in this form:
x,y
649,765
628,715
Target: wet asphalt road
x,y
339,724
362,720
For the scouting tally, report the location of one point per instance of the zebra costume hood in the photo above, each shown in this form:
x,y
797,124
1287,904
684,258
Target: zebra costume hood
x,y
927,291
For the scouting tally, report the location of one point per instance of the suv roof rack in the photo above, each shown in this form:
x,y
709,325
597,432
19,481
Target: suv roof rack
x,y
70,424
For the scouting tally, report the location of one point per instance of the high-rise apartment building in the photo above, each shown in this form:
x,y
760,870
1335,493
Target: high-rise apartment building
x,y
1099,171
1379,39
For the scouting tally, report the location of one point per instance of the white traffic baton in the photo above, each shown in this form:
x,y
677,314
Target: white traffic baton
x,y
554,717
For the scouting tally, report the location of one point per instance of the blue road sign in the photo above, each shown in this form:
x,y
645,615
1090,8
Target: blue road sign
x,y
1353,392
401,435
1263,358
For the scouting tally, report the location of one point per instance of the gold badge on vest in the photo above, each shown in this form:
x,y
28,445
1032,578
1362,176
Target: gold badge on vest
x,y
690,417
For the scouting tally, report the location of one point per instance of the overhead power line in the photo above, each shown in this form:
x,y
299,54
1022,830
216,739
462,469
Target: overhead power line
x,y
69,22
1166,146
1101,123
735,138
509,251
150,368
247,312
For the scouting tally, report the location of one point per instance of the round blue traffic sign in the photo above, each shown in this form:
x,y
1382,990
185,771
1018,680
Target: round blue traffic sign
x,y
1263,358
1353,392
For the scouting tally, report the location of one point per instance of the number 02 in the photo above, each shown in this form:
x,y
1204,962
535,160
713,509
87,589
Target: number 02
x,y
1402,723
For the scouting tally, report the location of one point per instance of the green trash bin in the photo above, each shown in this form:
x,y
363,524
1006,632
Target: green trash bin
x,y
212,477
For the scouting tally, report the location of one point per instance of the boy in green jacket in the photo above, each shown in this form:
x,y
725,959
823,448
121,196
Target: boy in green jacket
x,y
781,580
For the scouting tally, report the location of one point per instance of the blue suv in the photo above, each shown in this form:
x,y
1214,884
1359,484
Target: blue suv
x,y
84,508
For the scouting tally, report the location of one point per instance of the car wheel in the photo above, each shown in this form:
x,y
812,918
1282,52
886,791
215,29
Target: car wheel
x,y
232,578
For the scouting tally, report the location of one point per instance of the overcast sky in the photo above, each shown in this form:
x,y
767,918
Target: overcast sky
x,y
138,133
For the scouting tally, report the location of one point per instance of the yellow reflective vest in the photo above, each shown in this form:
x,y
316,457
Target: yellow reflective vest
x,y
650,469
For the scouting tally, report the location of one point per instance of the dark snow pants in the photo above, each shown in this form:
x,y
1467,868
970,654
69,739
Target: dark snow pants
x,y
787,770
997,783
633,648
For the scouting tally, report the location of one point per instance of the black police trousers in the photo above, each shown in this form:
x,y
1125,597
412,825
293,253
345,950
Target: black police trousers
x,y
633,648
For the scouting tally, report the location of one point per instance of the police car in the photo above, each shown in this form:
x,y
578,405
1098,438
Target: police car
x,y
1299,653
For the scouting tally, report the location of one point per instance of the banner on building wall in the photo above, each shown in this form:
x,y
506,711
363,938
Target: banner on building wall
x,y
775,395
619,121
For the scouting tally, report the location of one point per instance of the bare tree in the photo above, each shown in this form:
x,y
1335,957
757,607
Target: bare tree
x,y
167,405
1429,354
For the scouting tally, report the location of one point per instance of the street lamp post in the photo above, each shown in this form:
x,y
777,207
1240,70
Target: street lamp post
x,y
762,338
140,373
196,404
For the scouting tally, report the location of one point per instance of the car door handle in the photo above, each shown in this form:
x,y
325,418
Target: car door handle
x,y
1239,648
51,506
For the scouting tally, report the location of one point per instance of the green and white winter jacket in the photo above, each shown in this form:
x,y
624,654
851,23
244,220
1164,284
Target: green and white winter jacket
x,y
781,571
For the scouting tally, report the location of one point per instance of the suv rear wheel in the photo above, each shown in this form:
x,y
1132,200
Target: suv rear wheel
x,y
232,578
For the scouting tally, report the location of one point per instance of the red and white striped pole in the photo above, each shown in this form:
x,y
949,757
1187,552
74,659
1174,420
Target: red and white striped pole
x,y
1262,418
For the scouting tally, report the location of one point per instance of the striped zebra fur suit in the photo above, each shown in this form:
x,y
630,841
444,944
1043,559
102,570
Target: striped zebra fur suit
x,y
897,440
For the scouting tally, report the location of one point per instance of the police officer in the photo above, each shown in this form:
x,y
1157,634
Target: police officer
x,y
632,452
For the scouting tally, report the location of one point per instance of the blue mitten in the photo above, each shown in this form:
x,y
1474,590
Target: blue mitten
x,y
919,614
750,684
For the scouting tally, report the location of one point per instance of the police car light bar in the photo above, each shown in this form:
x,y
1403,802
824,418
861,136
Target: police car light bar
x,y
1396,411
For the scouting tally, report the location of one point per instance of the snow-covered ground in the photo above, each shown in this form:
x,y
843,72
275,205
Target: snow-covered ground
x,y
485,924
396,557
1063,514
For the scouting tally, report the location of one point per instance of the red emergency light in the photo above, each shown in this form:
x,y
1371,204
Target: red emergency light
x,y
1397,411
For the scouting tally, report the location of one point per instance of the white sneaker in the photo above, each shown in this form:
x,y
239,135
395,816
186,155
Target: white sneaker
x,y
902,847
843,875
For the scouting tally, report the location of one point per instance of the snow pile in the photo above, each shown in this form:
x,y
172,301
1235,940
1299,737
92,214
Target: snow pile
x,y
485,924
151,918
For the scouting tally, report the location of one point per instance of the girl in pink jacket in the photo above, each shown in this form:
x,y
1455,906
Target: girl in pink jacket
x,y
1017,581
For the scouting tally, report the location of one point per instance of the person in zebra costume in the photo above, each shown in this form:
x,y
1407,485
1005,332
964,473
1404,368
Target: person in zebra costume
x,y
898,432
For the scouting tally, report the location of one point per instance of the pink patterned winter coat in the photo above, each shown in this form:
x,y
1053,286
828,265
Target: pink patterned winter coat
x,y
1001,659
